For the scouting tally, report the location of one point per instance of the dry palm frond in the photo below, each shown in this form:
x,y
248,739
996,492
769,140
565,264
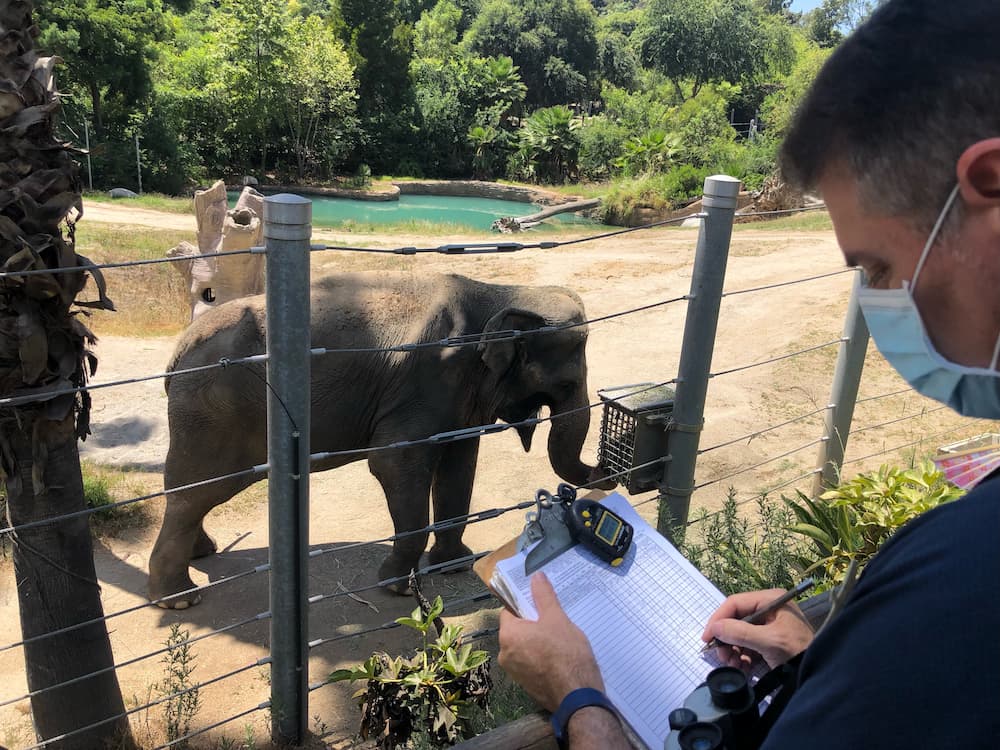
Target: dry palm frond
x,y
43,342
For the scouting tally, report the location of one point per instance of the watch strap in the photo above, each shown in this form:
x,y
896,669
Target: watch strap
x,y
573,702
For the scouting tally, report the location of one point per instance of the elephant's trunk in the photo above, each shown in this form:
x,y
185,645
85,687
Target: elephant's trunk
x,y
570,423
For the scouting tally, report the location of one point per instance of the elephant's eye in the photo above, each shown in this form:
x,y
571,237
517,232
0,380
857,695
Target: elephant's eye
x,y
208,295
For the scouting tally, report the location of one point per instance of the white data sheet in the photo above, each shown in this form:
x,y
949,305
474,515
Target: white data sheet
x,y
644,619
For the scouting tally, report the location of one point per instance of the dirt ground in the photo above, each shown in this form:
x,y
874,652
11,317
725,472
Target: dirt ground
x,y
129,429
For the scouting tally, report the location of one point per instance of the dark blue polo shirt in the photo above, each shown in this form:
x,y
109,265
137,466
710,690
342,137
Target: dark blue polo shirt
x,y
913,661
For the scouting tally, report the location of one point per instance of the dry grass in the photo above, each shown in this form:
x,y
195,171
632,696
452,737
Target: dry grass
x,y
151,300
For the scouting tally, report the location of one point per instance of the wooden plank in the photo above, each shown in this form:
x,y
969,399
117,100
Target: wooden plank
x,y
531,732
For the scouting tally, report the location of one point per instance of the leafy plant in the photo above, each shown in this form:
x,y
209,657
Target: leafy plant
x,y
737,555
851,521
183,704
551,140
430,694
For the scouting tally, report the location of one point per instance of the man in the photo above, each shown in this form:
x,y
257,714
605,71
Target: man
x,y
901,135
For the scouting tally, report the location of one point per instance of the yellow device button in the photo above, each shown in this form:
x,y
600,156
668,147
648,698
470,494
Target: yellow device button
x,y
588,524
616,562
586,514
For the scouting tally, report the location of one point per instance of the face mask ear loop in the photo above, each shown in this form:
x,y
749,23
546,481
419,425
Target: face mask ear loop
x,y
996,355
933,238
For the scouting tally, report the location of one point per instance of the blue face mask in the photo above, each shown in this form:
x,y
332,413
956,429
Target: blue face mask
x,y
899,333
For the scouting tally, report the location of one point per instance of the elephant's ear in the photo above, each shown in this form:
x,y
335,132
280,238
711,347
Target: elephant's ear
x,y
499,350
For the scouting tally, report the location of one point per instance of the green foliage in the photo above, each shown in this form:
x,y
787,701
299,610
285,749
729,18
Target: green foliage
x,y
431,694
851,521
553,42
602,141
182,699
551,142
653,151
737,555
710,41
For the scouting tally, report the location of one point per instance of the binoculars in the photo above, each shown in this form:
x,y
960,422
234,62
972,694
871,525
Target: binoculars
x,y
720,714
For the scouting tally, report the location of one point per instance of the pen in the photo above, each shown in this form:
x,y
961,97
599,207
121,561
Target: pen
x,y
758,617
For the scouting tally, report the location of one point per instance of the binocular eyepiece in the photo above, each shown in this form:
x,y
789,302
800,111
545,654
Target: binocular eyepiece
x,y
717,715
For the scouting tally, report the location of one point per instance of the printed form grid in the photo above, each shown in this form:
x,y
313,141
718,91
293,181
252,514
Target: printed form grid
x,y
644,621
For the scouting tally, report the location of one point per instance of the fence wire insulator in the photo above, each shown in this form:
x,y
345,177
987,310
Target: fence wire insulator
x,y
478,248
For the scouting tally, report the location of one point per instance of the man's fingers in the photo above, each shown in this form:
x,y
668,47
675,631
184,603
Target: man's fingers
x,y
739,606
544,595
737,633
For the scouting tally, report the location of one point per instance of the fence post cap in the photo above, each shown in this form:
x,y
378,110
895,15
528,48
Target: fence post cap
x,y
721,191
287,217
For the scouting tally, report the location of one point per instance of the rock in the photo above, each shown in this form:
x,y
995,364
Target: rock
x,y
692,222
249,180
122,193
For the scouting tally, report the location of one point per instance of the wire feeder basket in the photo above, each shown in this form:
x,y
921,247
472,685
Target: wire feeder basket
x,y
633,433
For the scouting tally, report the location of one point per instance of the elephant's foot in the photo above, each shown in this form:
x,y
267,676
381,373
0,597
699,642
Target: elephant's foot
x,y
204,545
161,587
441,554
396,569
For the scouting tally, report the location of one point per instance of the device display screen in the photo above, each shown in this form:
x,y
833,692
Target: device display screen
x,y
608,528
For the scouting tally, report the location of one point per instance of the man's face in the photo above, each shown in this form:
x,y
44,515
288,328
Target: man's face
x,y
957,293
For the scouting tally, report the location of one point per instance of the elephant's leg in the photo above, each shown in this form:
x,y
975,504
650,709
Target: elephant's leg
x,y
183,537
204,545
452,490
405,477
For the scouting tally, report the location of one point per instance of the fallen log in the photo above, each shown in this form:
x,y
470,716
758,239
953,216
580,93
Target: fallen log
x,y
563,208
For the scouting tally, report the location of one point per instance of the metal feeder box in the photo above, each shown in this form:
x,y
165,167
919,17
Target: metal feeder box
x,y
634,433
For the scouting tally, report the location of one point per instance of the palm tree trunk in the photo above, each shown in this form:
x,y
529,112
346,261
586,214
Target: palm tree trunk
x,y
43,348
57,587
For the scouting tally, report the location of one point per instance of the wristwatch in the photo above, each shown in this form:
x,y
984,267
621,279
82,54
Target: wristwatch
x,y
577,699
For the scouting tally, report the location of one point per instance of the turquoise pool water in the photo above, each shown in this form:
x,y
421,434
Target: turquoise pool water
x,y
470,213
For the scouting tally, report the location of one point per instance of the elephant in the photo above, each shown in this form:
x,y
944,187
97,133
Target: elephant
x,y
375,399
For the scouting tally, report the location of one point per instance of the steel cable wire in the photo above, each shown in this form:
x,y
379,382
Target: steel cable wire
x,y
771,460
126,263
451,523
766,430
135,660
151,704
777,359
923,413
456,342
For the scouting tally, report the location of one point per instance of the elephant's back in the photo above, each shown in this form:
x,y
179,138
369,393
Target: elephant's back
x,y
230,331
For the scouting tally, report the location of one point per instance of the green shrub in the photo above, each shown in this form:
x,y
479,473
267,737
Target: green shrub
x,y
602,141
736,555
430,695
851,521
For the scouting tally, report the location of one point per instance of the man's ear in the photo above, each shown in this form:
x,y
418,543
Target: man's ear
x,y
978,172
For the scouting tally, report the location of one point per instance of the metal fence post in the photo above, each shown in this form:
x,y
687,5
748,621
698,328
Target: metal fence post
x,y
287,233
707,278
844,396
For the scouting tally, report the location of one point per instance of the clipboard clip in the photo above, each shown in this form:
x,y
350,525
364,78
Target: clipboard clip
x,y
547,528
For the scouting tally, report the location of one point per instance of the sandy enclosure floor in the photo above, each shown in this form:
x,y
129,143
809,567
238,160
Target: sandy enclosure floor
x,y
610,275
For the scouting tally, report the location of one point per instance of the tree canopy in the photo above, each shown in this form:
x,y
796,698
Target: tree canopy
x,y
308,89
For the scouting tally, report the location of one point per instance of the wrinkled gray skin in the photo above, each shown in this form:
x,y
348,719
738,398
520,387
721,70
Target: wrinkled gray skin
x,y
217,417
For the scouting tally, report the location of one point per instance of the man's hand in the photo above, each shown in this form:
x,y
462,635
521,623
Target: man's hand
x,y
784,634
550,657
